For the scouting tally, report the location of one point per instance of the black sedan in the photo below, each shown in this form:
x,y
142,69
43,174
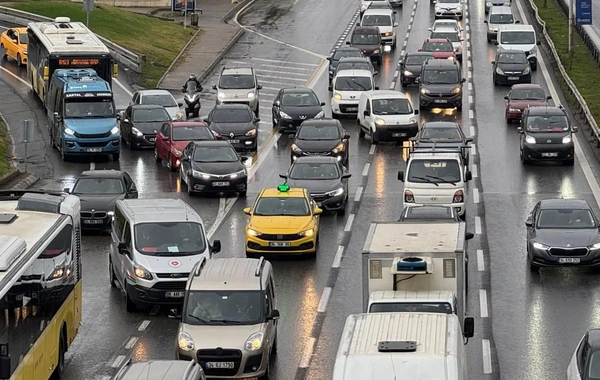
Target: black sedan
x,y
430,214
411,65
325,178
141,123
321,137
562,232
294,105
98,191
510,67
213,166
235,123
338,54
443,135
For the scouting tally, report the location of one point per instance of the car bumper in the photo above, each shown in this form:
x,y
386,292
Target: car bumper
x,y
449,14
341,156
396,132
344,107
246,366
514,115
373,56
212,184
92,146
388,40
512,79
441,101
462,207
541,257
397,3
155,295
241,143
540,152
145,141
303,245
330,203
409,79
289,124
250,103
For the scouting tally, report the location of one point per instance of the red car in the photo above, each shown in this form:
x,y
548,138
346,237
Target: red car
x,y
522,96
174,136
441,48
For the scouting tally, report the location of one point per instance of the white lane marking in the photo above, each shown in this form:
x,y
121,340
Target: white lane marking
x,y
290,66
372,149
471,114
358,194
92,165
470,99
475,195
16,77
337,261
487,353
472,130
349,223
470,86
324,300
404,44
468,53
42,323
218,219
474,172
469,65
308,352
469,74
393,85
366,169
118,361
478,225
131,343
483,303
123,87
473,149
144,325
480,260
396,73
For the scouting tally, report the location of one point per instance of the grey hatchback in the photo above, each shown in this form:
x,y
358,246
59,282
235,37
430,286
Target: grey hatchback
x,y
160,369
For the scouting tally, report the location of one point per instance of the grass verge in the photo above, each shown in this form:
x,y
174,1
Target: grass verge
x,y
5,155
582,68
159,40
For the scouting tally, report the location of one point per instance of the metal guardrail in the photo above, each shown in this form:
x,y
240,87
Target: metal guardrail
x,y
123,56
583,107
586,32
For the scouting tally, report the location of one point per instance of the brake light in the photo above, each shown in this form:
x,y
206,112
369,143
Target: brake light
x,y
409,196
458,197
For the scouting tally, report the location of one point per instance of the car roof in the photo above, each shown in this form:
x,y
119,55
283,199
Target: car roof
x,y
355,59
417,53
440,124
237,71
214,143
366,29
156,370
21,29
232,274
527,86
565,204
153,210
546,110
102,173
316,160
154,92
386,94
232,106
438,40
516,28
298,90
177,124
445,29
501,10
345,48
321,121
378,12
293,192
146,106
353,73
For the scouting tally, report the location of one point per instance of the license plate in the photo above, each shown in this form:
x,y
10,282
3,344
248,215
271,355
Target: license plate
x,y
224,365
569,260
513,78
398,134
94,150
440,101
350,109
221,184
91,221
234,141
174,294
549,154
278,244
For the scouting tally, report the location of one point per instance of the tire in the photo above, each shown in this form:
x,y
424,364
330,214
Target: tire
x,y
62,348
402,83
2,46
250,255
342,211
116,156
189,188
111,274
463,217
274,348
524,159
531,265
156,157
245,192
459,107
130,141
489,39
334,116
257,112
19,61
361,131
374,139
170,163
130,306
65,157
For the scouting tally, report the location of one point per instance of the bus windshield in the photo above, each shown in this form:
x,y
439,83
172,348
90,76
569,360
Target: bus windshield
x,y
89,108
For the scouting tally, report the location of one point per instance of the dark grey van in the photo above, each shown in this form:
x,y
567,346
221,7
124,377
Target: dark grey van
x,y
368,40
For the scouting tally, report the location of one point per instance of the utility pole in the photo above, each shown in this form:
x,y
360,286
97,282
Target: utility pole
x,y
571,14
185,14
88,6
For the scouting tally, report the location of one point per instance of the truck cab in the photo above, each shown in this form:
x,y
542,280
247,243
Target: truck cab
x,y
406,301
81,114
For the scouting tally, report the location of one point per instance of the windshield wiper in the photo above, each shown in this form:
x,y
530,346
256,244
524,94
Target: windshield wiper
x,y
441,179
198,319
425,179
225,321
360,85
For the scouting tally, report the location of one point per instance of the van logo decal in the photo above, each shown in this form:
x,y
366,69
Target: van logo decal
x,y
232,135
175,263
433,198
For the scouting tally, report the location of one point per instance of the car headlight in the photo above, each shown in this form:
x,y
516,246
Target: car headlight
x,y
379,121
425,91
296,149
176,152
491,28
387,34
141,272
185,341
178,115
526,71
338,149
251,132
254,342
488,4
499,71
595,246
114,130
69,131
320,115
250,95
136,131
376,51
58,272
337,96
407,73
456,90
198,174
308,233
221,95
336,192
566,139
241,173
110,213
253,232
513,110
412,120
537,245
530,139
284,115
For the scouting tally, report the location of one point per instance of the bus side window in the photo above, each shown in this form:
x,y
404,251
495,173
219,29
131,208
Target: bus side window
x,y
60,244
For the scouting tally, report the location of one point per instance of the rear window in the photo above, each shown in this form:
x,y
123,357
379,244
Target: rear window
x,y
363,38
376,20
434,307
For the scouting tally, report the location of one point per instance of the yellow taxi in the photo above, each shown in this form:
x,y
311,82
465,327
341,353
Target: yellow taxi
x,y
282,220
14,40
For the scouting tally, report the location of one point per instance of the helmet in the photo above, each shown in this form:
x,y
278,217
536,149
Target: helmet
x,y
192,77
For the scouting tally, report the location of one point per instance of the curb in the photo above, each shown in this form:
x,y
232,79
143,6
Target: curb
x,y
217,60
177,58
234,10
9,177
26,182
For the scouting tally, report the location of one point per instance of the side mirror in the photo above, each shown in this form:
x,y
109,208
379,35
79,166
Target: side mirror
x,y
416,112
346,175
183,90
469,329
277,103
66,190
520,130
395,24
506,97
180,104
283,175
174,314
57,118
257,120
366,113
376,88
528,222
375,72
468,176
215,247
517,22
575,129
328,58
429,29
401,176
318,211
131,194
243,158
485,21
259,87
538,43
496,43
123,249
469,235
214,87
548,97
274,315
346,136
119,116
330,88
347,42
463,80
322,104
247,211
469,140
205,120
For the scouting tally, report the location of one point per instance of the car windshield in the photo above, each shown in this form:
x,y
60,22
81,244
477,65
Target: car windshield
x,y
99,186
365,39
235,307
353,84
441,77
528,94
442,308
517,38
150,115
300,99
438,47
88,108
501,19
339,54
594,371
452,36
440,134
354,66
159,100
23,38
318,132
169,238
392,107
512,58
565,218
434,171
241,82
376,20
429,213
547,123
224,115
282,206
413,60
215,154
314,171
192,133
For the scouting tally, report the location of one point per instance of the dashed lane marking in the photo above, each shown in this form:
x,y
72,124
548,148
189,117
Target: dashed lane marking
x,y
337,260
308,352
358,194
478,225
92,165
472,130
131,343
324,300
480,261
475,195
118,361
470,100
473,149
144,325
471,115
487,356
483,303
469,75
470,86
365,171
349,222
474,172
372,149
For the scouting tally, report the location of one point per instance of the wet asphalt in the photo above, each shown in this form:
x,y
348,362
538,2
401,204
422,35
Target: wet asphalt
x,y
531,322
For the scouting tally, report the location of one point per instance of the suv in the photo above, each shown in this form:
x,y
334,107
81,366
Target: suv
x,y
546,135
519,37
238,85
499,16
229,319
489,4
440,84
160,369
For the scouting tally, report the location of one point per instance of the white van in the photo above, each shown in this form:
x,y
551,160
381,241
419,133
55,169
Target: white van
x,y
347,86
415,346
364,4
436,178
386,115
384,19
519,37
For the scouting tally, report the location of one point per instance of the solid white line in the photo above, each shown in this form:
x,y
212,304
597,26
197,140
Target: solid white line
x,y
470,100
144,325
474,171
131,343
42,323
470,86
483,304
324,300
478,225
337,261
475,195
480,260
123,87
471,115
472,130
219,219
358,194
487,354
366,169
349,223
92,165
372,149
118,361
473,149
308,352
16,77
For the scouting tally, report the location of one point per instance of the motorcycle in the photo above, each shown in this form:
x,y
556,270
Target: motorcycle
x,y
192,99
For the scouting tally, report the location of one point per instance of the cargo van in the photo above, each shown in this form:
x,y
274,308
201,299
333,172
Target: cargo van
x,y
519,37
387,116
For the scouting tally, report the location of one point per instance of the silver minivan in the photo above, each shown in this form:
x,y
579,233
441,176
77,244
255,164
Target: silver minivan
x,y
155,243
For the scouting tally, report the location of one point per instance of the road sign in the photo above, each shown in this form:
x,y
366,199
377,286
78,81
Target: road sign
x,y
583,12
27,126
180,5
88,5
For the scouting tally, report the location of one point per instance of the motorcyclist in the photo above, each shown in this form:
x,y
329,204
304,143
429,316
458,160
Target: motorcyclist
x,y
192,78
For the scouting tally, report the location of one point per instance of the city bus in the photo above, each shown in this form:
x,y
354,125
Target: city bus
x,y
62,44
40,282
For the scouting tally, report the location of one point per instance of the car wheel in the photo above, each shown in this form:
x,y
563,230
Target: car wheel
x,y
459,107
2,46
245,191
189,188
257,112
52,141
361,131
463,217
60,367
250,255
532,266
334,116
19,61
111,274
402,83
489,39
65,157
116,156
524,159
534,67
374,138
342,211
156,156
130,306
130,141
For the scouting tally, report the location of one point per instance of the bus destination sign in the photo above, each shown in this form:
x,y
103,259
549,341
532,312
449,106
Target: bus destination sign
x,y
88,95
86,62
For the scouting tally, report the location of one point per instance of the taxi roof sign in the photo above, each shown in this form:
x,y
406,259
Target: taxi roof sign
x,y
283,188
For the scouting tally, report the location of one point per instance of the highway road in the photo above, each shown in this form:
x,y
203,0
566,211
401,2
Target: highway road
x,y
526,325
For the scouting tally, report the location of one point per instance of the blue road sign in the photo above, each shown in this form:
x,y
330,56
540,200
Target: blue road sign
x,y
179,5
583,12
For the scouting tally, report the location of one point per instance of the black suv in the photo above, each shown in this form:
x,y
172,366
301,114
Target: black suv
x,y
440,84
547,135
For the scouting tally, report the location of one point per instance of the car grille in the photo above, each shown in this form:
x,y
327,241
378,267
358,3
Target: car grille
x,y
169,285
96,214
94,136
549,141
280,237
568,251
172,275
513,72
227,136
91,144
316,153
219,355
440,95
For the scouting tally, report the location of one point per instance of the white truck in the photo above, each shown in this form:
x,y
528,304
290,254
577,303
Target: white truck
x,y
411,346
416,267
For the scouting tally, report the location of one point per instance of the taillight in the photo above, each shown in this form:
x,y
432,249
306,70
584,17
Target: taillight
x,y
409,197
459,197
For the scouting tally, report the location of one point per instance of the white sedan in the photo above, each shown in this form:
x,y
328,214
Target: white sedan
x,y
585,363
